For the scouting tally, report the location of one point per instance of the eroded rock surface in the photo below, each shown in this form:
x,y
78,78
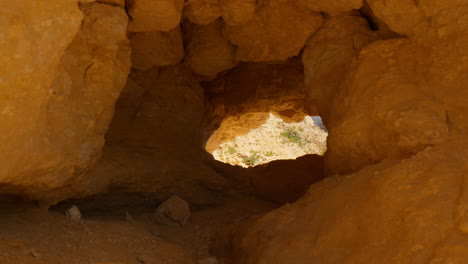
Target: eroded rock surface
x,y
154,15
330,7
156,48
329,54
236,12
396,150
396,107
58,85
208,52
243,98
202,12
154,140
394,212
419,17
402,115
277,31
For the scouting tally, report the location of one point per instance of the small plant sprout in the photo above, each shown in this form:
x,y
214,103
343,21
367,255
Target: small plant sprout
x,y
252,159
292,135
232,150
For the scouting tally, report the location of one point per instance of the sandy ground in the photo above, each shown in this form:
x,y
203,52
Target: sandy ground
x,y
124,235
274,140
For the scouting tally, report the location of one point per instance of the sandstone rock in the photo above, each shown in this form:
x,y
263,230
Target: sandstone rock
x,y
57,90
271,34
402,107
329,54
74,214
174,209
120,3
92,73
402,213
208,52
330,7
236,12
147,150
156,48
419,17
202,12
417,122
154,15
242,99
380,29
30,59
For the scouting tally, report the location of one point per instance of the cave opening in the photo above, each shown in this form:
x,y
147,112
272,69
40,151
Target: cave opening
x,y
112,109
273,140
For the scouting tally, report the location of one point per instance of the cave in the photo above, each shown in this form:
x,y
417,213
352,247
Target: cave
x,y
274,140
112,113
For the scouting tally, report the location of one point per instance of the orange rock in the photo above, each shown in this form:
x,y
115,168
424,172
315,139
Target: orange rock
x,y
202,12
208,52
156,48
154,15
272,34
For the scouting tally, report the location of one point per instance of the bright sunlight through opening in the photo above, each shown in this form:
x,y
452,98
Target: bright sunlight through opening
x,y
275,140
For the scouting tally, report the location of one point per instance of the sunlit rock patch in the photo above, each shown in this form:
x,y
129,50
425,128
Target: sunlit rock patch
x,y
275,140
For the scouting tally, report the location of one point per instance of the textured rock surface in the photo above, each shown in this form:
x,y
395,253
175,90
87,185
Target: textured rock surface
x,y
404,211
154,15
208,52
202,12
236,12
396,110
153,141
173,209
402,106
243,98
271,34
330,7
58,90
329,54
120,3
418,17
156,48
393,110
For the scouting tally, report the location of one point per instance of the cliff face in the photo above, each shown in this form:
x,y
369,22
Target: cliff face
x,y
122,96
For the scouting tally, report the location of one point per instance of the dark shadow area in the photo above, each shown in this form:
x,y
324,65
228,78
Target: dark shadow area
x,y
281,181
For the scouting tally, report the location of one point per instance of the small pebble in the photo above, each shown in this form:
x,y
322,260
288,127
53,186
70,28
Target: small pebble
x,y
174,209
74,214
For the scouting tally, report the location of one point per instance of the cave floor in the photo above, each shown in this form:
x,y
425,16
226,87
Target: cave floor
x,y
31,235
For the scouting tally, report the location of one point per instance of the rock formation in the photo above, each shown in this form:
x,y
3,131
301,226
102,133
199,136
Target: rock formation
x,y
114,96
396,149
59,84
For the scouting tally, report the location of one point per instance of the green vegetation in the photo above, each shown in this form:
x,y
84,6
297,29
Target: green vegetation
x,y
292,135
232,150
270,153
252,159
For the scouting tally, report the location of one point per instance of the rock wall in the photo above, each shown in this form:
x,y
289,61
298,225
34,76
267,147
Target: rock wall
x,y
396,149
388,78
398,211
63,69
